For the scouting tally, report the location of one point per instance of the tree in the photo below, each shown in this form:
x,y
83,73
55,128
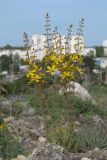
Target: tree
x,y
99,51
8,47
5,62
89,62
89,65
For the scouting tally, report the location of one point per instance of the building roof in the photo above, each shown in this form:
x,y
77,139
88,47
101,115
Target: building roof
x,y
105,43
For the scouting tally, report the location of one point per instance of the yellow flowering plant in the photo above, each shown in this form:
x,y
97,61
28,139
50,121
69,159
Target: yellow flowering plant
x,y
34,71
57,59
68,65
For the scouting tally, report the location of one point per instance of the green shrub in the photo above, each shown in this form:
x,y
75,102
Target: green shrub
x,y
83,139
86,108
61,129
76,105
59,105
17,86
99,93
89,138
47,102
61,135
9,148
35,99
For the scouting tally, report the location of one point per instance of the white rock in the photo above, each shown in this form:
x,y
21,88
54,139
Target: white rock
x,y
96,149
47,151
84,158
77,89
8,119
29,111
21,157
42,139
77,123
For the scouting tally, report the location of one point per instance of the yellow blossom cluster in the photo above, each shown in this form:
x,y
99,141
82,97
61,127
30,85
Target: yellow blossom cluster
x,y
35,72
67,64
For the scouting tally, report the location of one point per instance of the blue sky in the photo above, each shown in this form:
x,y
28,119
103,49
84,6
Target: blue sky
x,y
17,16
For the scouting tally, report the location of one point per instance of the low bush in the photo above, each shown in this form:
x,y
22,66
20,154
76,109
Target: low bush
x,y
60,111
17,86
59,105
86,108
99,92
83,139
61,135
60,126
9,148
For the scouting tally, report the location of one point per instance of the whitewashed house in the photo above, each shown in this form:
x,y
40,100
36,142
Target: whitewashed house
x,y
101,62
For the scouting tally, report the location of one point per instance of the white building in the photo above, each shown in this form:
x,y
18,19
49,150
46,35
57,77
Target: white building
x,y
39,42
89,52
105,47
20,53
39,50
101,61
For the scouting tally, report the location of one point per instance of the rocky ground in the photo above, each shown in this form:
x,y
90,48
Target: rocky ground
x,y
47,151
28,128
29,131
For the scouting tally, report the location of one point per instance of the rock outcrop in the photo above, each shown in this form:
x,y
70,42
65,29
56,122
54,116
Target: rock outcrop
x,y
47,151
20,157
77,89
26,130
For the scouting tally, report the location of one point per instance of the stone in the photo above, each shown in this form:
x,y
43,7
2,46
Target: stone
x,y
8,119
77,123
36,133
77,89
84,158
21,157
97,149
94,154
97,119
26,130
49,152
42,139
29,111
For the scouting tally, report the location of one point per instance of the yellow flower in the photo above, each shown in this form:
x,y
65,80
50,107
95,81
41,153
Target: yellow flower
x,y
35,75
74,57
65,65
53,57
36,78
68,64
2,126
66,75
51,69
79,70
61,58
